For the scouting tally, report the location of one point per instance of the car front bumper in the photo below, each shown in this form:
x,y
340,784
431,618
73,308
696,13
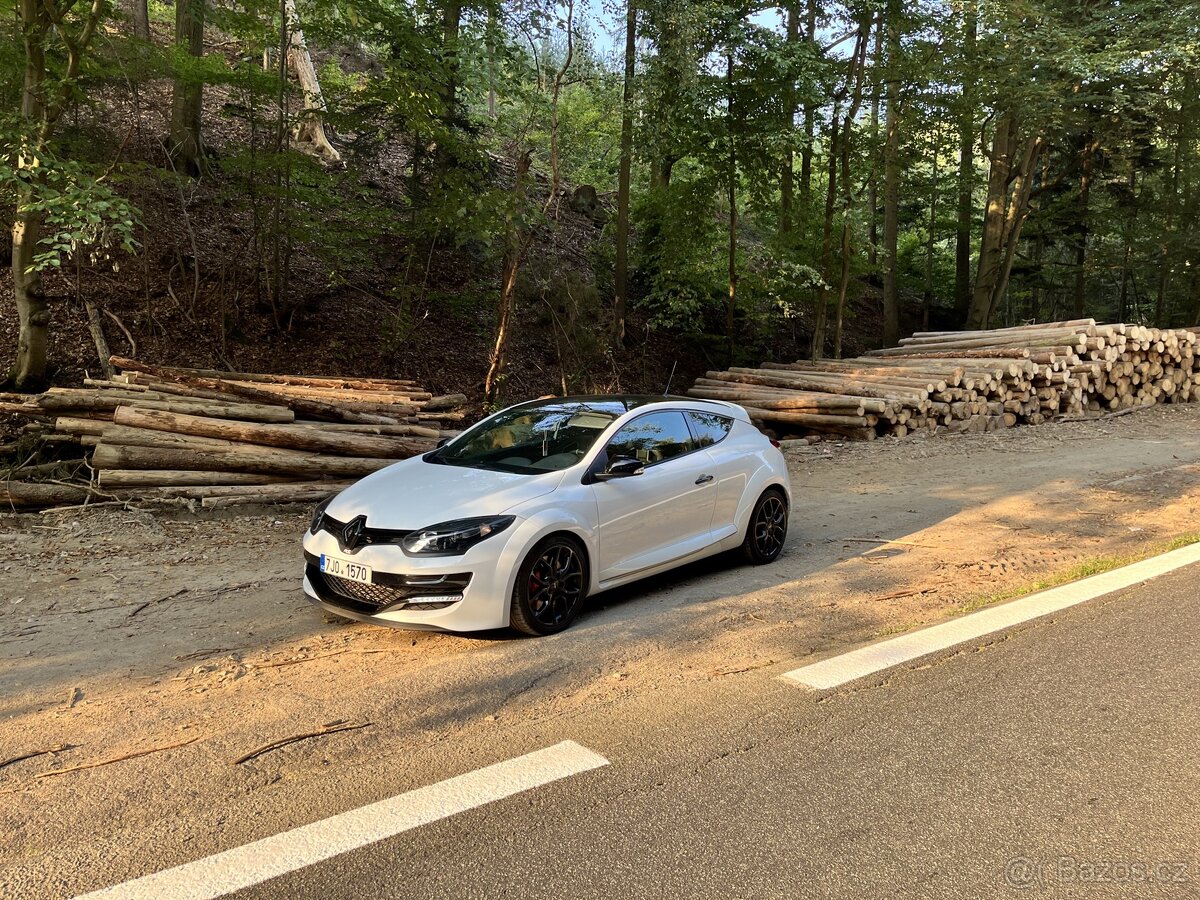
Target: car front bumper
x,y
448,593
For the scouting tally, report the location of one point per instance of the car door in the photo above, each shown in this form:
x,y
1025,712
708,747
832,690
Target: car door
x,y
662,514
729,466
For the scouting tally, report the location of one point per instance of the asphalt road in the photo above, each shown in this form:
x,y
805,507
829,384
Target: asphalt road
x,y
1056,759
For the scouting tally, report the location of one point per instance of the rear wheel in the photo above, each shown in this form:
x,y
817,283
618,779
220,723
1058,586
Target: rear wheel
x,y
550,588
767,529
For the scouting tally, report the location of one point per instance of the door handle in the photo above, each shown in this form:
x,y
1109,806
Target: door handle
x,y
704,479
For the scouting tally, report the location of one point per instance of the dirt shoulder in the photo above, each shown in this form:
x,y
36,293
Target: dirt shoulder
x,y
125,631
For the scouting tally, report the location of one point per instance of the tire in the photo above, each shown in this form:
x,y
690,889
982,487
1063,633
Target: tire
x,y
551,586
767,529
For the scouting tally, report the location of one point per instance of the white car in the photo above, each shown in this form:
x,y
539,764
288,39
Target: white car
x,y
518,519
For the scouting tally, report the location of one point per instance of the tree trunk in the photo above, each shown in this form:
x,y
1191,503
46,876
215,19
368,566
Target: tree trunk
x,y
858,66
1164,265
1126,230
1079,293
621,272
28,373
309,132
966,165
873,183
930,242
139,16
39,116
891,179
1010,183
810,116
787,174
817,348
731,124
451,22
188,97
511,267
1036,291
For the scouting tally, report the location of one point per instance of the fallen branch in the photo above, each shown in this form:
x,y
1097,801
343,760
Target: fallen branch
x,y
116,759
34,753
722,672
142,606
908,593
331,728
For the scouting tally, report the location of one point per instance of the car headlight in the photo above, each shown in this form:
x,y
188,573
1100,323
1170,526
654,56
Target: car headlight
x,y
319,515
454,538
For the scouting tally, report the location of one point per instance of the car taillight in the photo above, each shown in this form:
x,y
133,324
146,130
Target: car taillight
x,y
775,443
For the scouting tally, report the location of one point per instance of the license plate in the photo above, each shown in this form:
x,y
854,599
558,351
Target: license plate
x,y
343,568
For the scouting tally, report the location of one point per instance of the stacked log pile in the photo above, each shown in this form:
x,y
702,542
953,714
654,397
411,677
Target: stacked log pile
x,y
222,438
968,381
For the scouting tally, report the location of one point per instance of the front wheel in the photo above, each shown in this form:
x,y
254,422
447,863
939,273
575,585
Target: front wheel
x,y
767,529
550,588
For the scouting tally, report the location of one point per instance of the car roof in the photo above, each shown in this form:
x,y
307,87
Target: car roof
x,y
619,404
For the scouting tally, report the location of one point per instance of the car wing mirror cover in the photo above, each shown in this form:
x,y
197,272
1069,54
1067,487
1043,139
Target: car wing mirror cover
x,y
622,467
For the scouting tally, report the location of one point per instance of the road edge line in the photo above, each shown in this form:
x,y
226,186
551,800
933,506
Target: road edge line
x,y
846,667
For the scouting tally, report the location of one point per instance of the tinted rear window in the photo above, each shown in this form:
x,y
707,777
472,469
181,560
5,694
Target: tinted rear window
x,y
709,428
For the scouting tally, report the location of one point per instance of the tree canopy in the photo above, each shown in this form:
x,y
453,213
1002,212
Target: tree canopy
x,y
836,172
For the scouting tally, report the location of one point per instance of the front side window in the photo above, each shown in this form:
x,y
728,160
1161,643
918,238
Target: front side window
x,y
652,438
709,428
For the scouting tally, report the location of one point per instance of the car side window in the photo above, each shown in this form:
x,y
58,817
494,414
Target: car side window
x,y
652,438
709,428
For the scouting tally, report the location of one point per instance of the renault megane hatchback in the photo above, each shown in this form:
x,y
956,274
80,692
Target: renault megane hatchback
x,y
519,518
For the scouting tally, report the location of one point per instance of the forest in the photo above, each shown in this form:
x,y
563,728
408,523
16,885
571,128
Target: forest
x,y
510,198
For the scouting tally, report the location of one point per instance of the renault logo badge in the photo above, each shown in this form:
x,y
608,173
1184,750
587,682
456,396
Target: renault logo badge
x,y
352,534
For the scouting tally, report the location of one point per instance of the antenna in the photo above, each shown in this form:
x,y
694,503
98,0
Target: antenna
x,y
670,378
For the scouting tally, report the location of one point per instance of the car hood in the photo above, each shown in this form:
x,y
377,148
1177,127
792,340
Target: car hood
x,y
413,494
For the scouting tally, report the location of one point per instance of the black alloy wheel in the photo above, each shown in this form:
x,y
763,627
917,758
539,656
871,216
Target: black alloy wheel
x,y
768,528
550,587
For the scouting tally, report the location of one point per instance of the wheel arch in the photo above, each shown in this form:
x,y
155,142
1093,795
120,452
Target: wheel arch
x,y
766,480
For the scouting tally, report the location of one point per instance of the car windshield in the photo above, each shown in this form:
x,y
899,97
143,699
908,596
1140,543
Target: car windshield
x,y
539,437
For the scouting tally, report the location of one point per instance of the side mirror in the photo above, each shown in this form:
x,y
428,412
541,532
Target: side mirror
x,y
622,467
442,443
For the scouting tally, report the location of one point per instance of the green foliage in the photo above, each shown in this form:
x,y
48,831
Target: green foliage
x,y
83,216
680,253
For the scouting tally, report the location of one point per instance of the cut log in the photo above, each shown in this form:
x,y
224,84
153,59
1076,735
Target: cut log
x,y
316,409
127,478
421,431
123,435
346,444
275,462
133,365
267,493
32,495
445,401
63,401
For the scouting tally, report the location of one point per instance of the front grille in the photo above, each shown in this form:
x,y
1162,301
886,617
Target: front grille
x,y
376,595
391,591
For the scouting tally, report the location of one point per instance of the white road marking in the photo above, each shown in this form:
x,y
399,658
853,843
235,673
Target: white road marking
x,y
270,857
839,670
